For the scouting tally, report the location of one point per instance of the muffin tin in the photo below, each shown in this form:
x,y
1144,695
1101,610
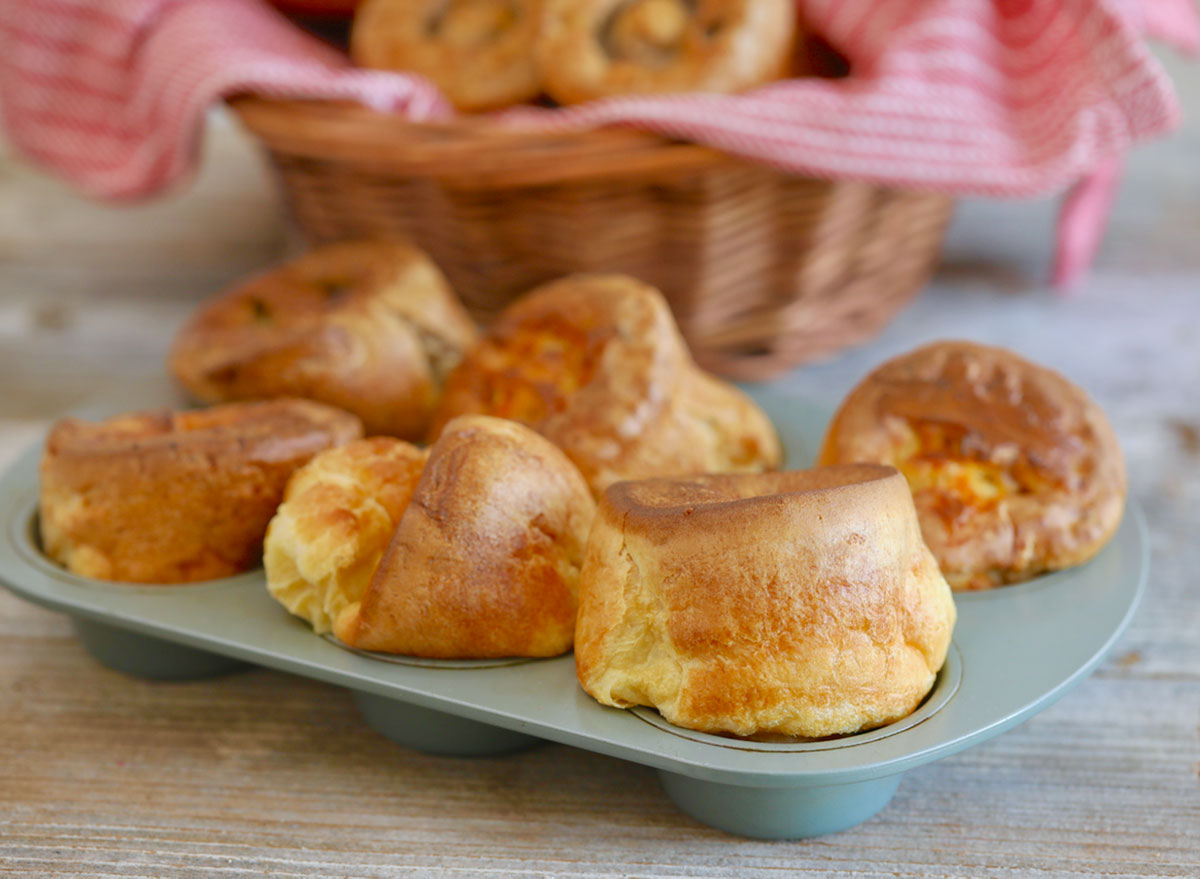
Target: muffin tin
x,y
1016,650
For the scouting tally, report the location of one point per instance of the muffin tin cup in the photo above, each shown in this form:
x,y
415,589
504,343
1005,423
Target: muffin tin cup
x,y
779,812
1016,650
803,810
143,656
436,732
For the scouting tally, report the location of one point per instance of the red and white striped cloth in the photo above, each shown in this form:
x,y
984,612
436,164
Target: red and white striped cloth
x,y
983,97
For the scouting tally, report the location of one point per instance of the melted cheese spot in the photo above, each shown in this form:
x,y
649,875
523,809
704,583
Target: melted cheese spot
x,y
938,458
543,365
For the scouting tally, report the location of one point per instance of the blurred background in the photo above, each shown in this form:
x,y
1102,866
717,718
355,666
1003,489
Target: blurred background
x,y
92,292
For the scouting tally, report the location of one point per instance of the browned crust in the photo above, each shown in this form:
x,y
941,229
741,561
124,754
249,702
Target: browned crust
x,y
592,49
371,327
800,603
625,401
485,561
169,497
1032,432
732,496
479,53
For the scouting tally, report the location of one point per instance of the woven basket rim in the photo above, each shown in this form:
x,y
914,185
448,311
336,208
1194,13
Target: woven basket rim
x,y
764,268
474,150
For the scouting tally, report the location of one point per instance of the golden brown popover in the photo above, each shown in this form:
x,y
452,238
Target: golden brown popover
x,y
485,561
801,603
371,327
470,553
171,497
596,364
1014,470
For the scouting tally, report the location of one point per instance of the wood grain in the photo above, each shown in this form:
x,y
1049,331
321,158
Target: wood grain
x,y
260,773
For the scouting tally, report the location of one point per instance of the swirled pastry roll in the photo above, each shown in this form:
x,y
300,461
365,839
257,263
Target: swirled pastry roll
x,y
598,48
596,364
1013,468
479,53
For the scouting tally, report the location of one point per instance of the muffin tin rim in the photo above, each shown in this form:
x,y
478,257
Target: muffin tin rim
x,y
585,723
433,662
945,686
23,535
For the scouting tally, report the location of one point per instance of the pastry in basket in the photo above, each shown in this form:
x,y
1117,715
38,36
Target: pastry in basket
x,y
371,327
478,557
596,364
171,497
1014,470
801,603
599,48
337,518
479,53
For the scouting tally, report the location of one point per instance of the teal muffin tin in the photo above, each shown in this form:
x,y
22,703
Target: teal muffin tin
x,y
1016,650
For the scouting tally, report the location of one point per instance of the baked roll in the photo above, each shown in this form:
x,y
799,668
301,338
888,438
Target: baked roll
x,y
1014,470
370,327
172,497
801,603
596,364
599,48
337,518
479,53
485,558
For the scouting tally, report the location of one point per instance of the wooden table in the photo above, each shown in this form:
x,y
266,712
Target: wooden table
x,y
265,774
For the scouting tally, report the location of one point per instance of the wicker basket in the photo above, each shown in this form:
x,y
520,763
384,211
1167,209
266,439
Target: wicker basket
x,y
763,269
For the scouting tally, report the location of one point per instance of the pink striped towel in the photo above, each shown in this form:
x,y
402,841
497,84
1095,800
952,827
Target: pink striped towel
x,y
984,97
